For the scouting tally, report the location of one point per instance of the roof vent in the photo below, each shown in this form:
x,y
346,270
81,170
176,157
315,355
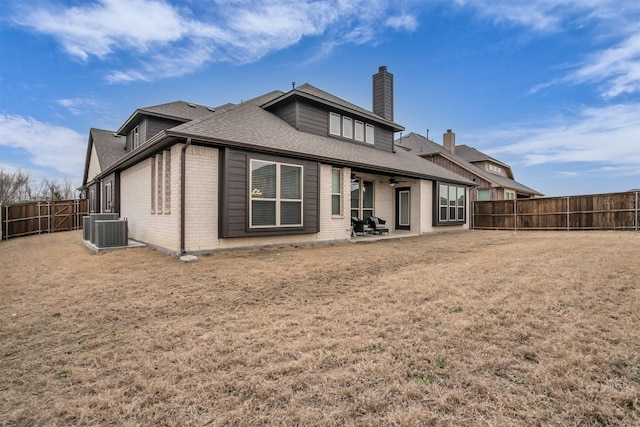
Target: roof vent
x,y
191,105
213,110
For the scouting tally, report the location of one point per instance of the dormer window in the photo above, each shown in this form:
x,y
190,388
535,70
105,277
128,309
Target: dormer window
x,y
334,124
494,168
349,128
369,138
359,131
136,137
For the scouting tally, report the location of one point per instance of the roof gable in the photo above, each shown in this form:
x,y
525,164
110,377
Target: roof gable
x,y
108,146
312,93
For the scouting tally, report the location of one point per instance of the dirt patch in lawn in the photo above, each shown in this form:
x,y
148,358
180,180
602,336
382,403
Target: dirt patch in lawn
x,y
475,328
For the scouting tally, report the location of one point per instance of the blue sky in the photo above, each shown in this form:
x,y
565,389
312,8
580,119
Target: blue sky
x,y
550,87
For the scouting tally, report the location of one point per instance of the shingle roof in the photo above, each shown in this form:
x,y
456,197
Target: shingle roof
x,y
470,154
247,125
421,146
109,147
178,110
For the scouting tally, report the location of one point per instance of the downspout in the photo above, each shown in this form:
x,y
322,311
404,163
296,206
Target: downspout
x,y
183,196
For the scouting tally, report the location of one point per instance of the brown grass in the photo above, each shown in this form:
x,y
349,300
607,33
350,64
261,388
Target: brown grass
x,y
477,328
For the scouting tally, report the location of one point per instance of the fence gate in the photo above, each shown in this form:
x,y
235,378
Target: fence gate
x,y
42,217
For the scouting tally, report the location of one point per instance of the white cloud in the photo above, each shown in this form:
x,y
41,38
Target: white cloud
x,y
607,136
404,21
617,68
171,41
48,145
100,28
79,106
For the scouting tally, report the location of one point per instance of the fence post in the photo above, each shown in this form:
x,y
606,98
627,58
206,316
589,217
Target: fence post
x,y
568,224
515,215
635,219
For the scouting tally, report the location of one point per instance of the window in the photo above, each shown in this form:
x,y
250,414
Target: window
x,y
347,127
509,195
108,197
369,136
336,191
334,124
92,200
276,194
484,194
451,203
359,131
494,168
136,137
361,199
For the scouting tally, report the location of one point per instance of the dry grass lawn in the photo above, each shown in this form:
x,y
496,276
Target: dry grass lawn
x,y
476,328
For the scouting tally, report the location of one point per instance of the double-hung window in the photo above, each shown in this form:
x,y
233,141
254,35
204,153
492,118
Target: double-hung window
x,y
276,194
108,197
369,135
334,124
359,131
347,127
451,203
135,135
336,192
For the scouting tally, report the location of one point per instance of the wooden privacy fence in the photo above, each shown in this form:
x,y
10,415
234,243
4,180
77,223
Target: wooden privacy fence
x,y
615,211
42,217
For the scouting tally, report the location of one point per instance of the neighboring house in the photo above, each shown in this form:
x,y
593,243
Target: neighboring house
x,y
494,179
282,168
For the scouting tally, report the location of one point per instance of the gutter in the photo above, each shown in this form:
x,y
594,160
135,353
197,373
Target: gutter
x,y
183,196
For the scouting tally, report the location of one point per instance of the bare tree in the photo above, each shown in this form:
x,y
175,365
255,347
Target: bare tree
x,y
18,187
14,187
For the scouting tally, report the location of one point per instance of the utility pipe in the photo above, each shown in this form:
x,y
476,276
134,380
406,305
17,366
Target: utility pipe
x,y
183,196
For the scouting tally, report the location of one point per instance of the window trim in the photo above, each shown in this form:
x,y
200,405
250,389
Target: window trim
x,y
372,129
135,137
347,127
339,194
278,199
108,196
332,129
438,206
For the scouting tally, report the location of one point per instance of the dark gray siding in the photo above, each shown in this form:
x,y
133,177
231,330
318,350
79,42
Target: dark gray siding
x,y
156,124
384,138
234,196
287,112
148,128
313,119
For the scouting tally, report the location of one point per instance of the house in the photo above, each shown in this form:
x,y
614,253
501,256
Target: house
x,y
494,178
281,168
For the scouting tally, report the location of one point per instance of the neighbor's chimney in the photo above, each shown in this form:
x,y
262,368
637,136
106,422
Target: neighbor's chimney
x,y
383,93
449,141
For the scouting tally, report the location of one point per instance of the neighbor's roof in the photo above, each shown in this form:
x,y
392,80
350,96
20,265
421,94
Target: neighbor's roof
x,y
470,154
249,126
421,146
178,110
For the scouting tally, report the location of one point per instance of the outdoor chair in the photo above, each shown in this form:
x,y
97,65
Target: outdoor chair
x,y
377,225
359,228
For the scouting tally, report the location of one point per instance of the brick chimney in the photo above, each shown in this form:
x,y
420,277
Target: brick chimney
x,y
449,141
383,93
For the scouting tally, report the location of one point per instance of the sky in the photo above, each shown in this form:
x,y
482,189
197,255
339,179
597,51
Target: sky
x,y
550,87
